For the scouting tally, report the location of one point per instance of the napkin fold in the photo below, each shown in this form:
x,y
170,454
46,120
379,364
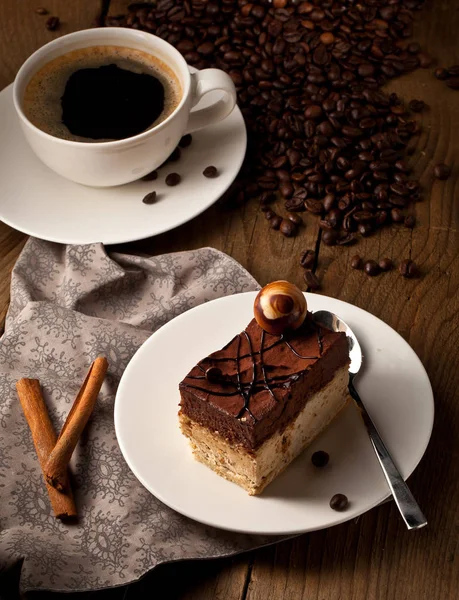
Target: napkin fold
x,y
70,304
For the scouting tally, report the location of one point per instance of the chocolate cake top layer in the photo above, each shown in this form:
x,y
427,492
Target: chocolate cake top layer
x,y
259,382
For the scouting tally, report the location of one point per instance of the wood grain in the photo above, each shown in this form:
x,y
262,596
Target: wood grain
x,y
373,557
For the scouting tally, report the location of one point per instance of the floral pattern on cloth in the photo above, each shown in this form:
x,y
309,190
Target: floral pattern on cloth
x,y
70,304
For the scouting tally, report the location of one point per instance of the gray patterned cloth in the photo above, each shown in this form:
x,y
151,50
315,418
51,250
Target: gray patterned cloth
x,y
70,304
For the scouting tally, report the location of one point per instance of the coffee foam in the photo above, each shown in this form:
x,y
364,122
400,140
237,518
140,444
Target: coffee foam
x,y
42,97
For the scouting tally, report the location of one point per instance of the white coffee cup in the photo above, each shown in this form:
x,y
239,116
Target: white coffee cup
x,y
104,164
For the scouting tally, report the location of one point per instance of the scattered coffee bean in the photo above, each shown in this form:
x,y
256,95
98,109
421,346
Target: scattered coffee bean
x,y
269,214
356,262
320,459
408,269
329,237
275,222
307,259
150,176
453,71
441,73
175,156
214,374
425,61
185,141
442,171
173,179
288,228
150,198
339,502
453,83
295,218
210,172
311,280
385,264
41,11
52,23
410,221
371,268
417,105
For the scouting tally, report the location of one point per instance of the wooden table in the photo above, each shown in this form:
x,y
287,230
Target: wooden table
x,y
373,557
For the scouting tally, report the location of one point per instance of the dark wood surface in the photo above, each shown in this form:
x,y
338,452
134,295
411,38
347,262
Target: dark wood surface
x,y
373,557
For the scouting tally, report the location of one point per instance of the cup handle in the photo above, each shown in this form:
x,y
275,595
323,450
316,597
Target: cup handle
x,y
206,81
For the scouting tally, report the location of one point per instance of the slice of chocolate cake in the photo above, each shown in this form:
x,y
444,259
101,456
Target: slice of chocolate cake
x,y
252,407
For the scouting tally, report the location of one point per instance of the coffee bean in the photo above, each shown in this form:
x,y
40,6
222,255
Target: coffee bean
x,y
269,214
175,156
385,264
371,268
327,38
311,280
408,269
339,502
150,176
52,23
307,259
214,374
417,105
356,262
425,60
442,171
441,73
346,240
295,204
210,172
453,71
294,218
150,198
365,229
173,179
320,459
453,83
286,190
288,228
329,237
185,141
41,11
206,48
267,198
410,221
313,112
396,215
275,222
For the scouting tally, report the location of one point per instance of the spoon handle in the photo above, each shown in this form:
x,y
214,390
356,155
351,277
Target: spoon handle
x,y
407,505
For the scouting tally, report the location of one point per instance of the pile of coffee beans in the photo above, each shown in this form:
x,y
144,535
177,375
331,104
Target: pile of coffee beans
x,y
323,137
450,76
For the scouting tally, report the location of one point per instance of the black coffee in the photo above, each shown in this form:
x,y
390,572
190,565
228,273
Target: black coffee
x,y
111,103
101,93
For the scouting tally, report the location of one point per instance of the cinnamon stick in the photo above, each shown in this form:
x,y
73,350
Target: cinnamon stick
x,y
44,439
56,466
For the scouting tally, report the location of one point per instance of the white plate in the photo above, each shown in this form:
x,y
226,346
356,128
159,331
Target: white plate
x,y
41,203
394,387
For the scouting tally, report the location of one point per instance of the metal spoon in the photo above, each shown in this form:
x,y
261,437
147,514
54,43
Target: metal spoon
x,y
407,505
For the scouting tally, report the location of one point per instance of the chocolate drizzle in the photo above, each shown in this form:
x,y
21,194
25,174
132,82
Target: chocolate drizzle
x,y
245,390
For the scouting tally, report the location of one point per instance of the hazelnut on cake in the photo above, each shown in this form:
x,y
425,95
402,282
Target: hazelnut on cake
x,y
250,408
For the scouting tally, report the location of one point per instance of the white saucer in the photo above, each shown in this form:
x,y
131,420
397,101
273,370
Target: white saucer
x,y
394,387
39,202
